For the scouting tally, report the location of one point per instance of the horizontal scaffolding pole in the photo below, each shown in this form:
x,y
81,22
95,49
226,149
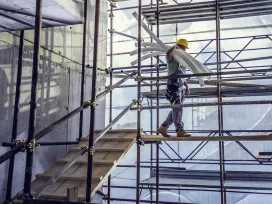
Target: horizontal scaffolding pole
x,y
146,201
184,189
156,138
187,105
215,131
12,144
43,201
210,74
212,163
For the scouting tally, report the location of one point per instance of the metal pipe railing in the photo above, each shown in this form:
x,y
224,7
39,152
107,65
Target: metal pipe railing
x,y
51,127
210,74
206,104
84,149
108,127
12,144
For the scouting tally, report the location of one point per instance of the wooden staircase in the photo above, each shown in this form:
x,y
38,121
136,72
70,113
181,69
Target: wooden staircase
x,y
109,150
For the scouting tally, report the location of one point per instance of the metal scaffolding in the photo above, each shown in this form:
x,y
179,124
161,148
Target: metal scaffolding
x,y
155,16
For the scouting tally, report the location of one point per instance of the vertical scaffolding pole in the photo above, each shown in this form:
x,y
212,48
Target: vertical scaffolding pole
x,y
33,101
83,65
219,98
158,103
151,112
93,102
139,102
111,64
16,112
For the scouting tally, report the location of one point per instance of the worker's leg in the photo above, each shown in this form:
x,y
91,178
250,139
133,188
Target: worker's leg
x,y
177,116
169,120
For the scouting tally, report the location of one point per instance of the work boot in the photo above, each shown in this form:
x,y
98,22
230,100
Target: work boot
x,y
163,131
182,133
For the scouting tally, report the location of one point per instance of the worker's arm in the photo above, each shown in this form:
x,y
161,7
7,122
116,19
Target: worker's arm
x,y
187,90
169,52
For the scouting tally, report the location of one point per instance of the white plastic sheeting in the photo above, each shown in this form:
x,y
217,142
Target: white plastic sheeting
x,y
13,14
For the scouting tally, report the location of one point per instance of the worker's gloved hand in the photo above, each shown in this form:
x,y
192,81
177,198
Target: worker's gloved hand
x,y
187,91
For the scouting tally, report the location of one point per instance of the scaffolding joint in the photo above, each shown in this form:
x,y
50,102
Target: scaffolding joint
x,y
139,105
108,70
140,142
91,151
19,143
139,78
32,145
111,31
89,104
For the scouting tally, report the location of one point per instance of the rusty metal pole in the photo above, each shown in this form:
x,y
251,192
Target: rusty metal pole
x,y
15,113
93,102
83,65
158,103
139,102
111,64
219,99
33,100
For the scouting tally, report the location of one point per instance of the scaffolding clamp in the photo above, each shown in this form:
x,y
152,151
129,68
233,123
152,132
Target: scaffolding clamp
x,y
139,105
84,147
32,145
91,151
108,70
140,142
21,142
89,104
111,15
111,31
139,78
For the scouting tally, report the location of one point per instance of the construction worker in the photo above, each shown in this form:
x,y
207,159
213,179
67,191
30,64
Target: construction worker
x,y
175,93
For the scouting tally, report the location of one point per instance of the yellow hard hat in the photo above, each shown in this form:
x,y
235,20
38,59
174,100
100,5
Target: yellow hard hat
x,y
183,42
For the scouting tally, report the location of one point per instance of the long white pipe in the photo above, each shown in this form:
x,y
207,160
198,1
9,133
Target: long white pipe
x,y
150,32
148,49
153,54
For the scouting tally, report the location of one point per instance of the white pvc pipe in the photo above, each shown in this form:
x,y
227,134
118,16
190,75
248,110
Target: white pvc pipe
x,y
148,49
153,54
150,32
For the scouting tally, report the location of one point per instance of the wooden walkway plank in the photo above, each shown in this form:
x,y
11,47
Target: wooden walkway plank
x,y
155,138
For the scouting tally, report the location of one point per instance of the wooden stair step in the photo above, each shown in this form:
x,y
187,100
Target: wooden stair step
x,y
76,149
103,162
68,177
110,138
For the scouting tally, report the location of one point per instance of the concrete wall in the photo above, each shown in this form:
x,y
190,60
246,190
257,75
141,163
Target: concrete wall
x,y
58,90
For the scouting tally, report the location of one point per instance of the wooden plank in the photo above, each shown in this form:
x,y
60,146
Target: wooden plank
x,y
119,131
108,154
57,167
106,162
67,177
156,138
110,138
115,149
72,193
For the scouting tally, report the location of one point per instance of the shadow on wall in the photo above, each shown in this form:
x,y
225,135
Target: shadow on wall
x,y
3,101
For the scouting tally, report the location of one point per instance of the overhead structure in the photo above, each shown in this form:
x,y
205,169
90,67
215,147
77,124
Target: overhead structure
x,y
20,15
205,11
